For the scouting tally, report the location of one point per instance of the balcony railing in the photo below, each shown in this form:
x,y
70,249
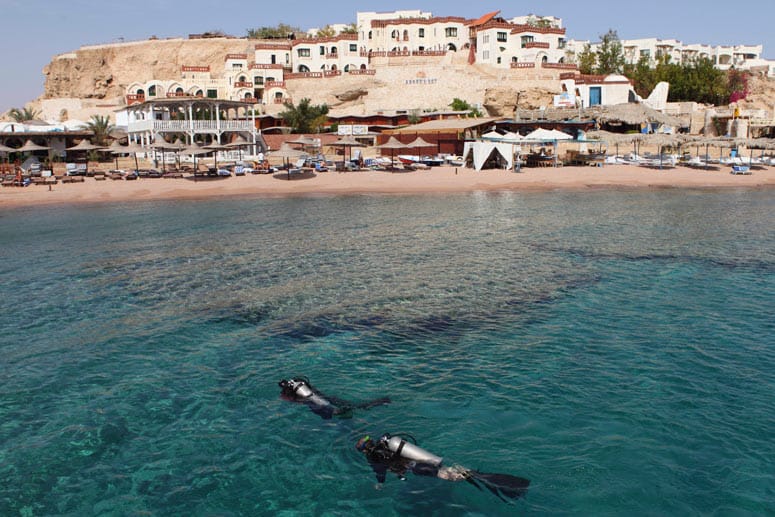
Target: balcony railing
x,y
523,65
135,98
280,100
243,84
332,56
429,53
536,44
362,72
399,53
560,66
275,84
187,125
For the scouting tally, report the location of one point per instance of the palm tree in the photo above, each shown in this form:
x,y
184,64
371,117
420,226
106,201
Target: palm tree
x,y
101,127
305,118
24,114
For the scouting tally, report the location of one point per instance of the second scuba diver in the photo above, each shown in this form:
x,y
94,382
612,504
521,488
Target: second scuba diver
x,y
301,390
395,454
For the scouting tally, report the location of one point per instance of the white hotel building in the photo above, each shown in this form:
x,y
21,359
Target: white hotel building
x,y
525,42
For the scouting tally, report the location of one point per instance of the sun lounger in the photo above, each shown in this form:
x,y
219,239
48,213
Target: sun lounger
x,y
741,169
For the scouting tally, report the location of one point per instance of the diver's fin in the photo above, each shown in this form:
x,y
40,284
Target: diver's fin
x,y
372,403
501,485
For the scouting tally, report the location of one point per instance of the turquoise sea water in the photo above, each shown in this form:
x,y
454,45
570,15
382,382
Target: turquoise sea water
x,y
616,348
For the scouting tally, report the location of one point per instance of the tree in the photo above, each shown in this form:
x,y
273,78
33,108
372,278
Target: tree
x,y
326,32
350,29
101,127
24,114
610,55
461,105
282,31
305,118
587,60
697,80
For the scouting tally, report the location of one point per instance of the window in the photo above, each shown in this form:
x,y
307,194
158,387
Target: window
x,y
485,39
526,40
273,59
394,35
486,55
152,91
212,94
304,52
370,34
421,33
334,50
353,47
562,43
450,32
499,60
502,36
322,51
258,80
236,66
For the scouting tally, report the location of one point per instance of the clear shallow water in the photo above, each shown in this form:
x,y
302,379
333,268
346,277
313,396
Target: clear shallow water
x,y
616,348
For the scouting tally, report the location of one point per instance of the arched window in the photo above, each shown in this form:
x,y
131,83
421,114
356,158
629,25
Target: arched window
x,y
406,35
333,67
140,91
545,59
333,50
515,59
346,68
199,93
363,67
394,35
370,34
242,79
303,69
451,47
152,90
178,91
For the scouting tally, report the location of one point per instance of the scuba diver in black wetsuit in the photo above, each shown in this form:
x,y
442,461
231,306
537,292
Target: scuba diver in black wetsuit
x,y
301,390
396,454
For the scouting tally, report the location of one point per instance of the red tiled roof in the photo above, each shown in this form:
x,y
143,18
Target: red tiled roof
x,y
484,19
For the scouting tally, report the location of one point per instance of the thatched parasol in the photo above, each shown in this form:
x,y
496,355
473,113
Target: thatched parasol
x,y
215,147
347,142
392,144
194,150
85,145
30,146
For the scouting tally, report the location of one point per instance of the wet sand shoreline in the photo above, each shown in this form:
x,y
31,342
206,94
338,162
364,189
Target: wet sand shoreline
x,y
439,180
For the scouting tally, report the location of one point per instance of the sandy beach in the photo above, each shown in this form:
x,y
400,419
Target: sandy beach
x,y
436,180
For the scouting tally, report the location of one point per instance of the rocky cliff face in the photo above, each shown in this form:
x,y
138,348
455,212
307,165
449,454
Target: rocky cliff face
x,y
104,72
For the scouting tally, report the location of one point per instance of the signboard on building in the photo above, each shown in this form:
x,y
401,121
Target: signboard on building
x,y
564,100
352,130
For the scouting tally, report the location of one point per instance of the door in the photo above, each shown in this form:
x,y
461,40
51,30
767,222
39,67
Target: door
x,y
595,95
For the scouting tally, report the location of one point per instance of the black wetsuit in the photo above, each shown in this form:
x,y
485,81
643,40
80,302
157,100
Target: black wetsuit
x,y
382,459
324,406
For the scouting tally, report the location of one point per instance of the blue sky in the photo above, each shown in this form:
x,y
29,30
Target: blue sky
x,y
35,30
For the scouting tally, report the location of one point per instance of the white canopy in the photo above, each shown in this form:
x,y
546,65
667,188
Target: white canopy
x,y
483,149
548,136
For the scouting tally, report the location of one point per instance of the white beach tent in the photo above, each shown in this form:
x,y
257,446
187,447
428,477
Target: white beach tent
x,y
483,149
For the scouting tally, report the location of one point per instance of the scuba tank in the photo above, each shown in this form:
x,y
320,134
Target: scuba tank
x,y
410,451
302,390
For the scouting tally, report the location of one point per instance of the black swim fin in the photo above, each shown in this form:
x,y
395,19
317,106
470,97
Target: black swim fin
x,y
502,485
372,403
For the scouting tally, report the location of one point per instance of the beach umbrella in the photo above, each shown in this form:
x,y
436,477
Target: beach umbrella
x,y
133,149
30,146
304,141
162,146
287,153
115,149
238,143
392,144
6,150
347,142
85,145
215,147
194,150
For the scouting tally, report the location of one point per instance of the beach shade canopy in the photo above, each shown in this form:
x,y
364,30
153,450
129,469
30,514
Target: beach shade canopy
x,y
305,141
194,150
30,146
392,144
547,135
238,143
85,145
419,143
288,153
115,149
215,147
6,149
347,142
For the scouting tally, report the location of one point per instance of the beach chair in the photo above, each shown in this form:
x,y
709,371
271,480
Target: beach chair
x,y
298,167
71,169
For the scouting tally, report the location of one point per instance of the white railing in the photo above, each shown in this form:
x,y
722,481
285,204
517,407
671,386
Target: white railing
x,y
187,125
